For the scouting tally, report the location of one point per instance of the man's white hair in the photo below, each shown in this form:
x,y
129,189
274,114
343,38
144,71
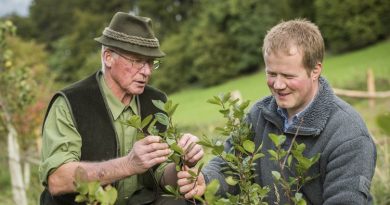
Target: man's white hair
x,y
102,58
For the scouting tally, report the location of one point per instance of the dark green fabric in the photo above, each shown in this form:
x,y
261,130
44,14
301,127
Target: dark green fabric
x,y
133,34
94,123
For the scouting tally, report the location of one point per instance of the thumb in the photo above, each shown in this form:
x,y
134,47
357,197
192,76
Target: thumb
x,y
185,168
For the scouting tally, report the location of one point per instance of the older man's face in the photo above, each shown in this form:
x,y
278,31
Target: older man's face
x,y
128,73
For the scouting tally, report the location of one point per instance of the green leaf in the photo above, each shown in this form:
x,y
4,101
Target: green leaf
x,y
244,105
225,97
218,148
80,198
172,110
112,194
93,187
162,118
224,111
277,139
82,188
159,104
205,143
140,135
273,154
200,168
101,196
298,196
299,199
240,149
231,181
152,128
134,121
276,175
146,121
231,158
289,160
315,158
172,191
249,146
178,168
215,100
176,148
175,158
211,189
192,173
257,156
81,176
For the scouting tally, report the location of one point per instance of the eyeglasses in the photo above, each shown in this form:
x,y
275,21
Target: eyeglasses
x,y
139,64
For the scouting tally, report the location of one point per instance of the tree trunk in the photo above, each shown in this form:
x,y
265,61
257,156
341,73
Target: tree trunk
x,y
27,174
15,168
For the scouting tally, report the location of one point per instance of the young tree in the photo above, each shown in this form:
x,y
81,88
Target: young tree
x,y
7,105
21,67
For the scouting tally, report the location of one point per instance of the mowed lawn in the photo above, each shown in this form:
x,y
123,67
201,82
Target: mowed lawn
x,y
341,70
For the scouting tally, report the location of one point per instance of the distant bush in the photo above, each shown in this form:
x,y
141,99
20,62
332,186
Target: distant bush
x,y
220,43
350,24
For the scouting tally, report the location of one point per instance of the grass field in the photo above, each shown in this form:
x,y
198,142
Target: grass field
x,y
342,71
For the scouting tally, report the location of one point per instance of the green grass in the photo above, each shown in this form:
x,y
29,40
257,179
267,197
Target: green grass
x,y
342,71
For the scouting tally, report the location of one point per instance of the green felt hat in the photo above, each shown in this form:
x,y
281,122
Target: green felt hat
x,y
133,34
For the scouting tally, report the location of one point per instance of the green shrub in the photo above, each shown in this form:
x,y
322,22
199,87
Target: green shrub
x,y
221,42
350,24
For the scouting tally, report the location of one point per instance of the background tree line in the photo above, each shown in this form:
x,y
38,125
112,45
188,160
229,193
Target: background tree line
x,y
207,42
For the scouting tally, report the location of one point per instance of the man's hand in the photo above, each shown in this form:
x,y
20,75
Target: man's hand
x,y
193,151
190,188
146,153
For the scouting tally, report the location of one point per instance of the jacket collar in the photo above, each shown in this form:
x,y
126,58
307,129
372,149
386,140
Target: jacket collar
x,y
312,121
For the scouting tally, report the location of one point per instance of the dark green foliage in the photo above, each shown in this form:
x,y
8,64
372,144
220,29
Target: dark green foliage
x,y
241,159
68,29
221,42
299,9
92,193
168,15
55,19
77,46
171,136
350,24
207,42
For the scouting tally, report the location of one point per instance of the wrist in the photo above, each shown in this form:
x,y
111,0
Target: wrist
x,y
127,166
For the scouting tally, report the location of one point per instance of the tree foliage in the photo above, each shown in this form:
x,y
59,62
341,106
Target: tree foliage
x,y
68,29
219,43
207,42
349,24
168,15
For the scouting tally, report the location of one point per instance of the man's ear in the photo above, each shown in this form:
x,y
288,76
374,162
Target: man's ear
x,y
108,59
316,72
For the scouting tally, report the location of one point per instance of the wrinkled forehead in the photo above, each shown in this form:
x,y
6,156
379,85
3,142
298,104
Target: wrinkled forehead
x,y
287,49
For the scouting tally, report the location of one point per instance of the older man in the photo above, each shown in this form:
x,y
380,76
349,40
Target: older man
x,y
83,126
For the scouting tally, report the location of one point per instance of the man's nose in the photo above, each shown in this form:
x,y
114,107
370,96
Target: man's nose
x,y
279,83
147,69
